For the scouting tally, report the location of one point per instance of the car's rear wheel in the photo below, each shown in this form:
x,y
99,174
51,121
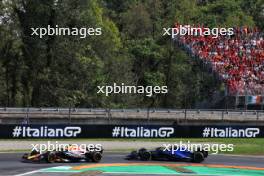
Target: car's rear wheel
x,y
96,157
198,157
145,156
34,152
51,157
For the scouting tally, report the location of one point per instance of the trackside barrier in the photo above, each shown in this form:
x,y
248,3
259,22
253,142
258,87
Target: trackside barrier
x,y
145,114
18,131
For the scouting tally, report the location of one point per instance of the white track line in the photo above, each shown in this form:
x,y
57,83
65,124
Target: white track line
x,y
36,171
135,173
28,173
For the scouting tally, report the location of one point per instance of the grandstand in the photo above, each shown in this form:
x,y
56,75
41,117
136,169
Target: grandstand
x,y
238,60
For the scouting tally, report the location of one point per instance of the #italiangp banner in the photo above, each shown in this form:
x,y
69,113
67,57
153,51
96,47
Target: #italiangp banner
x,y
128,131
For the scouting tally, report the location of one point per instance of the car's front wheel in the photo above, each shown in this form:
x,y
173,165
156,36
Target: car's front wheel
x,y
25,156
96,157
198,157
145,156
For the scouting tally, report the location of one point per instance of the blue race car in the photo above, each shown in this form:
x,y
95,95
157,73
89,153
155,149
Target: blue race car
x,y
160,154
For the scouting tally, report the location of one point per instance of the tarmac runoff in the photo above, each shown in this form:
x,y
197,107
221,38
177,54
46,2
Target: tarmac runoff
x,y
159,169
114,164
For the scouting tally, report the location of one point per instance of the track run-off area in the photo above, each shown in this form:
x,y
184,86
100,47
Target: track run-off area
x,y
114,164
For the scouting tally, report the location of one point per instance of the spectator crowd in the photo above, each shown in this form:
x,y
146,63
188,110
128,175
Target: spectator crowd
x,y
238,59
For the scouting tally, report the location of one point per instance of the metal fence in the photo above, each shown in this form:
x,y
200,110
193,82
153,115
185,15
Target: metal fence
x,y
146,114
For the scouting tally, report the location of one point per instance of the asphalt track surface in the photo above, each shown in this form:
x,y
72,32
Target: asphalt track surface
x,y
11,165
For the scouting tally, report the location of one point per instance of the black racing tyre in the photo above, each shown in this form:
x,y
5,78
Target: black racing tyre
x,y
34,152
25,156
205,153
51,157
198,157
96,157
145,156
